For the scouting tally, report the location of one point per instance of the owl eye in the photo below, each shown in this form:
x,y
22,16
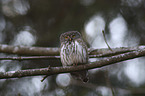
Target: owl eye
x,y
73,36
66,37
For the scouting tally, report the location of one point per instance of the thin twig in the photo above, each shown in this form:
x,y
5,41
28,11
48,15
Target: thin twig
x,y
45,75
106,40
44,78
108,82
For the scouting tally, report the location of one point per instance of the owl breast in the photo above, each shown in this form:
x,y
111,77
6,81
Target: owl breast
x,y
73,53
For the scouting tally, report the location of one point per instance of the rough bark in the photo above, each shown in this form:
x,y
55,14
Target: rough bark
x,y
56,70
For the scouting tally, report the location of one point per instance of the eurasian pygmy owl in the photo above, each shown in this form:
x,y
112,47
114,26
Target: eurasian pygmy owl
x,y
74,52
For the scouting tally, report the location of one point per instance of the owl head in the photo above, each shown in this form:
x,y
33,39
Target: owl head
x,y
69,36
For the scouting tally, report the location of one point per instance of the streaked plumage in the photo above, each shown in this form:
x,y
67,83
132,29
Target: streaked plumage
x,y
74,52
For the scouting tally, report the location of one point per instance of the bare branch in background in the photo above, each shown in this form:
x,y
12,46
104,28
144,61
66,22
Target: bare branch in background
x,y
58,70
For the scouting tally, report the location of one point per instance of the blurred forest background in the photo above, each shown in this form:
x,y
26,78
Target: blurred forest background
x,y
40,23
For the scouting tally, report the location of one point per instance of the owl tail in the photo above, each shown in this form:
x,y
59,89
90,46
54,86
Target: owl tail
x,y
80,75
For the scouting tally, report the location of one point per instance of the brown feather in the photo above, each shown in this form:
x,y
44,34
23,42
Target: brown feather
x,y
74,52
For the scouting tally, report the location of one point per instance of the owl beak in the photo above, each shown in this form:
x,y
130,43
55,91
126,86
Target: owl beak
x,y
70,39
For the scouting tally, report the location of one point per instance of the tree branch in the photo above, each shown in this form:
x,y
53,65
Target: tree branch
x,y
24,50
29,58
57,70
104,52
49,53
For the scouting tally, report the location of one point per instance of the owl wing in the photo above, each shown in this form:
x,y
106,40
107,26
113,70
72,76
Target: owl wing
x,y
84,45
62,55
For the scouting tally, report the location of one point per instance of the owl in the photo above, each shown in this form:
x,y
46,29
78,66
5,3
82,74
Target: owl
x,y
74,52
